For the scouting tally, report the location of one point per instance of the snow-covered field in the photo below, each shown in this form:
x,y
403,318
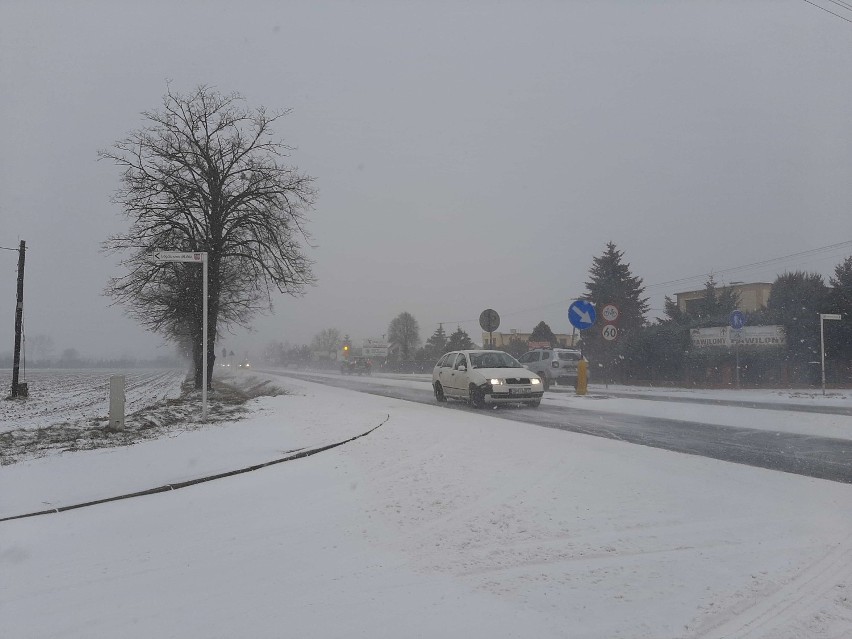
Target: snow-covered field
x,y
442,522
70,395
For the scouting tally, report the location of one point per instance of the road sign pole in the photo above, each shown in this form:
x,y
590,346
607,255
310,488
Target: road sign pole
x,y
195,257
737,351
204,339
822,318
737,321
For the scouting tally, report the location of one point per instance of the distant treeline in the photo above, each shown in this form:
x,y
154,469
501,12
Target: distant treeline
x,y
162,361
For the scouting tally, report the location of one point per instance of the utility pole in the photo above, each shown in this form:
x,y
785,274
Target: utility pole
x,y
19,319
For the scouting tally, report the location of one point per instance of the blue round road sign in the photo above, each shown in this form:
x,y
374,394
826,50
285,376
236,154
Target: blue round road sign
x,y
582,314
738,320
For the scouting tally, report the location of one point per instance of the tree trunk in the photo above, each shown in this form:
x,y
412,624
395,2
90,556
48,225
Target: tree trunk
x,y
212,320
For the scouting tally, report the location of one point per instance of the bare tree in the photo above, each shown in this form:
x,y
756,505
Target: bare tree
x,y
206,174
404,332
327,341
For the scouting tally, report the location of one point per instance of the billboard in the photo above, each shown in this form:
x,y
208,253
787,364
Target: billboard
x,y
726,337
375,348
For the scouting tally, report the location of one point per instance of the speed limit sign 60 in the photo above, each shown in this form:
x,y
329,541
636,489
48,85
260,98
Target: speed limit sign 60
x,y
609,332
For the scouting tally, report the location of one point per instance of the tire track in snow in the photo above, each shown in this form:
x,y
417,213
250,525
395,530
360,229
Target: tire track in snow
x,y
801,600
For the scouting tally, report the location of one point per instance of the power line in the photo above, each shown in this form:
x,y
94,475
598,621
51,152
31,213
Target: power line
x,y
773,260
682,280
814,4
842,4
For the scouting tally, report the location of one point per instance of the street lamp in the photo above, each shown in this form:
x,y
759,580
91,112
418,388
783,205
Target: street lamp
x,y
822,318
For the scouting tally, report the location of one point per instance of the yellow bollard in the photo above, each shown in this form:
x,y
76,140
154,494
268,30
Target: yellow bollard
x,y
582,377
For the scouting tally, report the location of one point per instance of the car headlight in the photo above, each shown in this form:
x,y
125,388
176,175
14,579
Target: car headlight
x,y
495,381
535,380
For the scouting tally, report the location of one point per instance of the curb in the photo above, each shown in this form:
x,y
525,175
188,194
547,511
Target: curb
x,y
200,480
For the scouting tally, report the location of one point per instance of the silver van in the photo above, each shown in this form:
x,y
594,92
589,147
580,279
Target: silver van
x,y
553,365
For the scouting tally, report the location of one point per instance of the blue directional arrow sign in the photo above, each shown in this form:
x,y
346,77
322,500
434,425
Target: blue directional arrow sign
x,y
582,314
737,320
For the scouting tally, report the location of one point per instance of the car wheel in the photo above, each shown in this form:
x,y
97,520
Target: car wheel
x,y
477,398
534,404
439,392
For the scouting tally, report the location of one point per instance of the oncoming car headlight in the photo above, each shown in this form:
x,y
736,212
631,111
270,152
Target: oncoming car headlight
x,y
496,382
535,380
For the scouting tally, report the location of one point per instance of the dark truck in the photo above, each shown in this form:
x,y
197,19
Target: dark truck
x,y
356,366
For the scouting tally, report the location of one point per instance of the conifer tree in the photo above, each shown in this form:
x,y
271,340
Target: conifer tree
x,y
840,339
543,333
612,282
436,345
460,341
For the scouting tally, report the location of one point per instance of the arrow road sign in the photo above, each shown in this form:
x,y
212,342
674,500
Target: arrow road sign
x,y
177,256
582,314
737,320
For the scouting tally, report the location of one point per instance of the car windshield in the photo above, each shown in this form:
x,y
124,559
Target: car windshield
x,y
493,360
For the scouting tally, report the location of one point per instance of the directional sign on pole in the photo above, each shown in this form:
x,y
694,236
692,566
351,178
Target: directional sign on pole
x,y
178,256
198,258
738,320
582,314
822,318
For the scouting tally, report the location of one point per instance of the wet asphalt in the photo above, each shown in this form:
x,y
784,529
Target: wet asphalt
x,y
820,457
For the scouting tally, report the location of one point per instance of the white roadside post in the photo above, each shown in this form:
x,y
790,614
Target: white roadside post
x,y
199,257
116,402
822,318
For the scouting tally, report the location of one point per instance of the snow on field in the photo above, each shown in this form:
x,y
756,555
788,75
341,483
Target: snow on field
x,y
443,522
72,395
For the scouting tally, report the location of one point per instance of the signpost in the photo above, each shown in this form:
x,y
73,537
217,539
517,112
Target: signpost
x,y
737,321
582,314
822,317
198,258
610,313
375,348
489,320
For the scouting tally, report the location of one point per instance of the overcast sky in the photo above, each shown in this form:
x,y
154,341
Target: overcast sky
x,y
467,154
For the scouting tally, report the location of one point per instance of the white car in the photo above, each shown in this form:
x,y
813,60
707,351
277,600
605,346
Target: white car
x,y
482,377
